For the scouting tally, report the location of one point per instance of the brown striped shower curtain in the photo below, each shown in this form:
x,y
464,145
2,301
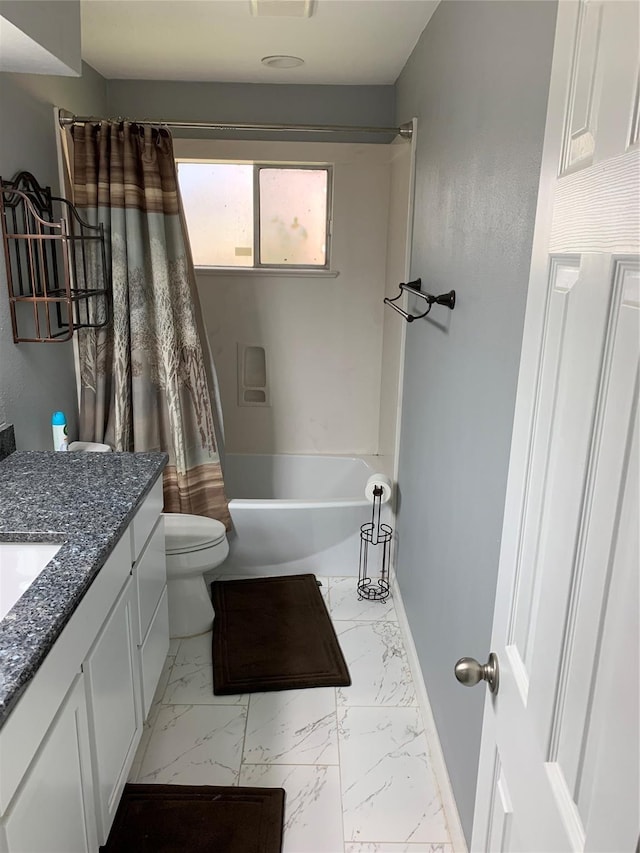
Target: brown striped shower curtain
x,y
146,381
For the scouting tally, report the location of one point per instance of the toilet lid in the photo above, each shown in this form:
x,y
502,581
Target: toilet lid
x,y
191,532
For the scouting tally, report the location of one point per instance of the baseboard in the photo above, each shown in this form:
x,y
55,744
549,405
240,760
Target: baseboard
x,y
438,764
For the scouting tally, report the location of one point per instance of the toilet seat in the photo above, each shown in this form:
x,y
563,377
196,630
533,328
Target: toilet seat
x,y
184,533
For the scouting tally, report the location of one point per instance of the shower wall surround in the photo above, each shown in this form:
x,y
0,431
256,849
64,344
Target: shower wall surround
x,y
323,336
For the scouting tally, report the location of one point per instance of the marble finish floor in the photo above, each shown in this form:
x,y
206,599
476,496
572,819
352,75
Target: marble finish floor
x,y
354,761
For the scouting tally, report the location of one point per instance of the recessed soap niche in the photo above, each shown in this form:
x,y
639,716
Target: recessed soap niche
x,y
253,389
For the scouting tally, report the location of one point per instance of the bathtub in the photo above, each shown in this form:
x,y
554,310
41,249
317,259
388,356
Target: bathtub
x,y
295,513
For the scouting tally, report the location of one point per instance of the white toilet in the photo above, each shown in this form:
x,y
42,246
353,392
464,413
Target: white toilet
x,y
193,545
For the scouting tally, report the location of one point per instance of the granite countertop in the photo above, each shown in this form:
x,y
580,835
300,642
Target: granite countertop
x,y
82,500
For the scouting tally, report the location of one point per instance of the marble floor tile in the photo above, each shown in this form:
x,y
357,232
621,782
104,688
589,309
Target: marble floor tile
x,y
191,680
389,793
147,727
292,727
324,589
377,661
353,761
165,676
195,745
312,816
134,771
382,847
344,603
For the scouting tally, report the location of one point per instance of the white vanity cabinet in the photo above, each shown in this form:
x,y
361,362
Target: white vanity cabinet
x,y
124,665
68,745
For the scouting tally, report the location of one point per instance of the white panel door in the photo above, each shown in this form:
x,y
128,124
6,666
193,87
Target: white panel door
x,y
560,753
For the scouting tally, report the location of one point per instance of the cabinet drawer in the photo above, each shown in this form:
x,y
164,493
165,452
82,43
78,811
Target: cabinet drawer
x,y
154,652
145,519
151,578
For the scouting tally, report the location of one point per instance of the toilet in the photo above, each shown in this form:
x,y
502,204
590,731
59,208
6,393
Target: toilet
x,y
194,545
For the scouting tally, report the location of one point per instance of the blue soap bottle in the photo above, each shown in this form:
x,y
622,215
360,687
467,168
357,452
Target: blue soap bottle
x,y
59,429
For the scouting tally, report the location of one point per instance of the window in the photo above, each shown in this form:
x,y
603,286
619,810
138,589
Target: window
x,y
257,215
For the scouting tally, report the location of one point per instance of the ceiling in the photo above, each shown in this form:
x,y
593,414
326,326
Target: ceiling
x,y
357,42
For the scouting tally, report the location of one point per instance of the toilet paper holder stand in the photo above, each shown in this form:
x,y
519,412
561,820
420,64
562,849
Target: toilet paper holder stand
x,y
414,287
375,546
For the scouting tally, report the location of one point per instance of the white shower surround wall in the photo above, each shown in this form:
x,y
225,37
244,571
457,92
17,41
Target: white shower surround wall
x,y
296,513
323,336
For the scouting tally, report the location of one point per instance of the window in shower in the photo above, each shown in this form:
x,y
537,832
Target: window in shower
x,y
257,215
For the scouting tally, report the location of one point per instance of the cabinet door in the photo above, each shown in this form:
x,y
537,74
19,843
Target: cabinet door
x,y
153,652
113,694
53,811
150,571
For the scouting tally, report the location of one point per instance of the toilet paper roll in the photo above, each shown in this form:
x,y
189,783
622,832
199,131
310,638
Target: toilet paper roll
x,y
384,483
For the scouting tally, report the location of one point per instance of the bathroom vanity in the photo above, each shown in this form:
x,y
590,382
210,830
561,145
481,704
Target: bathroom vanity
x,y
82,649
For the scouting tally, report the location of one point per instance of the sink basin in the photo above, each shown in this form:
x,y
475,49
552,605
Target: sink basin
x,y
20,565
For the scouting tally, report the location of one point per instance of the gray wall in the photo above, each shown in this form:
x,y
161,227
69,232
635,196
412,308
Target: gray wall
x,y
37,379
477,81
55,28
363,106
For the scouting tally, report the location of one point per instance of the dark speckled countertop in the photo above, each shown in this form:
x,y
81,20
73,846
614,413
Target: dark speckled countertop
x,y
83,500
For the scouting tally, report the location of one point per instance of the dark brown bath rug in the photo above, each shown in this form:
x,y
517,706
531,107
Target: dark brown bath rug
x,y
197,819
273,634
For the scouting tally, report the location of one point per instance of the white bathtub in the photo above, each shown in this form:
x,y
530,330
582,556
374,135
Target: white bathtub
x,y
295,513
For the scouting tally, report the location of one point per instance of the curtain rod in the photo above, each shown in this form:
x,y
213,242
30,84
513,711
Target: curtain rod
x,y
405,130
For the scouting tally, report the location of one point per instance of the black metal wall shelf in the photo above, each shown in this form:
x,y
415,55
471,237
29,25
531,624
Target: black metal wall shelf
x,y
414,287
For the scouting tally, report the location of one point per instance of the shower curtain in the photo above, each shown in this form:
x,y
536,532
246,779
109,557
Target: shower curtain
x,y
146,383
